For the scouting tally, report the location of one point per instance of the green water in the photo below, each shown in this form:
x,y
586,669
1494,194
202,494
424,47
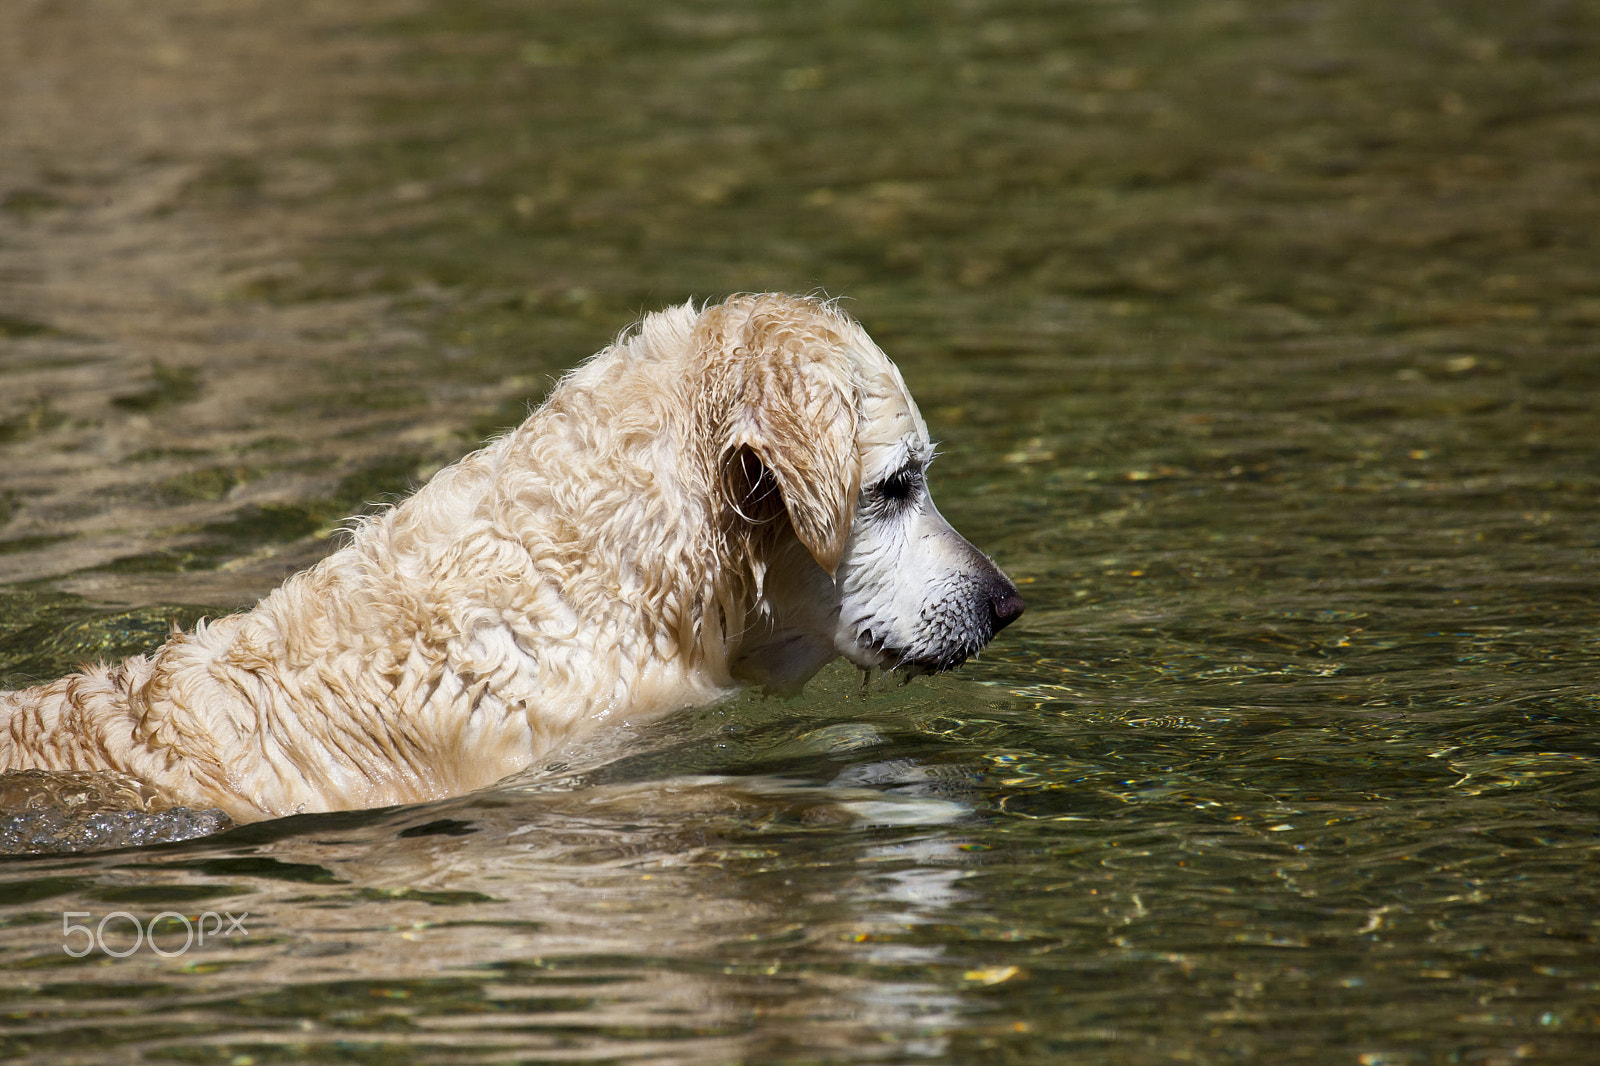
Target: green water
x,y
1260,340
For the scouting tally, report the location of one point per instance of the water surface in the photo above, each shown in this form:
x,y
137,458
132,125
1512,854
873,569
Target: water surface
x,y
1260,341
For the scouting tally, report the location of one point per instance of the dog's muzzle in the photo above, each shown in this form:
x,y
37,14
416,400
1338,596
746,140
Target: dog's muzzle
x,y
957,625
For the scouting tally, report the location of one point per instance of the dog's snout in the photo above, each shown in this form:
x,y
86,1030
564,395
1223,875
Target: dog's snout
x,y
990,584
1005,606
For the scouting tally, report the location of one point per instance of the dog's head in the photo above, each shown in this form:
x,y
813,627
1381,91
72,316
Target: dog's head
x,y
821,431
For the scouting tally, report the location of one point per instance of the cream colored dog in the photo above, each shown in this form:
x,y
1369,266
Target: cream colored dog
x,y
726,496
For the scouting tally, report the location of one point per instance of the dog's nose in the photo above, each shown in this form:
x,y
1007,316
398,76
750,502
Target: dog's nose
x,y
1005,607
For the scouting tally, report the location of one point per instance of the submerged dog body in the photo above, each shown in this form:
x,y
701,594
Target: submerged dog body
x,y
722,497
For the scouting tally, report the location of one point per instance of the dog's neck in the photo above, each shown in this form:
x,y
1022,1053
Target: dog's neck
x,y
450,634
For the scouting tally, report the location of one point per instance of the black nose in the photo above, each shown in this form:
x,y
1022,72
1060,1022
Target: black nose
x,y
1005,607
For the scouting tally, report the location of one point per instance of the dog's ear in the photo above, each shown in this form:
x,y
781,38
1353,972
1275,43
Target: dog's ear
x,y
798,417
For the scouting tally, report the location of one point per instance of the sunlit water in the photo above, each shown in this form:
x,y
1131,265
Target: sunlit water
x,y
1260,338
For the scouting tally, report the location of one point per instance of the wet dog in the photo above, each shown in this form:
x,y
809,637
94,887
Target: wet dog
x,y
725,496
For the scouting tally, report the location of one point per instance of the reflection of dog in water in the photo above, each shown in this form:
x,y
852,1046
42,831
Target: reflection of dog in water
x,y
726,496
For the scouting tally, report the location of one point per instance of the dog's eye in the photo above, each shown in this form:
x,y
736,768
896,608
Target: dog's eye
x,y
900,485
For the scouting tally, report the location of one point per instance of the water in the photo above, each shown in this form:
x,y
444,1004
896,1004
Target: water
x,y
1260,340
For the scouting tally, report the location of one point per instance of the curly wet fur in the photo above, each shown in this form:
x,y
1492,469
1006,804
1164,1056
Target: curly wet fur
x,y
605,561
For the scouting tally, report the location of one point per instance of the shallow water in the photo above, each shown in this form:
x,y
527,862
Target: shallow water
x,y
1260,340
